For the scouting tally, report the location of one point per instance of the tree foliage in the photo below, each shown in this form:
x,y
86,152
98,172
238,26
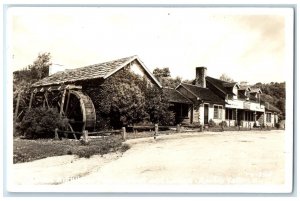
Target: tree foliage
x,y
35,71
226,78
164,77
157,106
128,99
162,72
123,102
40,123
274,93
22,79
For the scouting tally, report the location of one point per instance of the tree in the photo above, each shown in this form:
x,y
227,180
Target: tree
x,y
226,78
162,72
122,102
164,77
157,106
40,67
23,79
273,93
36,71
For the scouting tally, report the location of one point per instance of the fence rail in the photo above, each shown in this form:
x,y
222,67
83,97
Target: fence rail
x,y
86,135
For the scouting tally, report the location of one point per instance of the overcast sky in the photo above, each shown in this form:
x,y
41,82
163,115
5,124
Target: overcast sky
x,y
246,44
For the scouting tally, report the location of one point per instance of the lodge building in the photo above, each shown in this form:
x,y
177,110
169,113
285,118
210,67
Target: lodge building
x,y
218,101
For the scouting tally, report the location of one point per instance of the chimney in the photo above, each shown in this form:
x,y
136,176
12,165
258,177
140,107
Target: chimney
x,y
200,76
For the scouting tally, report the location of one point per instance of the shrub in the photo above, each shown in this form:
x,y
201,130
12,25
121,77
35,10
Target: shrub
x,y
277,125
211,123
223,124
241,123
40,123
125,147
167,118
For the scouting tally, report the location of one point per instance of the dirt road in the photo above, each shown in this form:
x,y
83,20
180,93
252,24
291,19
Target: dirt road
x,y
195,158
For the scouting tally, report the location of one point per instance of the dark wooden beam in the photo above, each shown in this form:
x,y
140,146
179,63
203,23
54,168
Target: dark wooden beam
x,y
68,100
46,99
17,106
62,102
30,102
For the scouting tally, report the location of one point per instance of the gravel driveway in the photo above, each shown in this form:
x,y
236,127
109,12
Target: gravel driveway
x,y
255,157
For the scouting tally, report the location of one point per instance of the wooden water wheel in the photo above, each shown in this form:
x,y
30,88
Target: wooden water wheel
x,y
80,111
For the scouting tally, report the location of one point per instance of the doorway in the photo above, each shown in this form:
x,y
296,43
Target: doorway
x,y
205,113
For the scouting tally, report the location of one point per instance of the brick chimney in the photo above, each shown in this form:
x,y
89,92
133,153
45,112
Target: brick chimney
x,y
200,76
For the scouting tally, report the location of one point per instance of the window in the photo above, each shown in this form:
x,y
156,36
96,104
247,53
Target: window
x,y
268,118
218,111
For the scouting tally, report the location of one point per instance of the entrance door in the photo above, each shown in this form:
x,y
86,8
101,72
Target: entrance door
x,y
205,114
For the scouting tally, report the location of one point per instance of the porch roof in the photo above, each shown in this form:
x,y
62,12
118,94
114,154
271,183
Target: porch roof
x,y
175,96
271,108
204,94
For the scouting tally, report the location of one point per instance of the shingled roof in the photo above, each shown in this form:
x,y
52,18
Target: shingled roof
x,y
255,90
223,86
204,94
175,96
101,70
271,108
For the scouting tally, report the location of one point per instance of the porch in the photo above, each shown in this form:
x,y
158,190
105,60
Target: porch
x,y
243,118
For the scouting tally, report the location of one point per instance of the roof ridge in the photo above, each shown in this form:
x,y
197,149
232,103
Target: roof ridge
x,y
221,80
96,64
194,85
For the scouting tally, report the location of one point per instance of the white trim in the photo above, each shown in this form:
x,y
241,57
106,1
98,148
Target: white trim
x,y
219,107
149,72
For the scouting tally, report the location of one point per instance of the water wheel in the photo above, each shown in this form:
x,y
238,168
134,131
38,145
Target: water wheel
x,y
80,111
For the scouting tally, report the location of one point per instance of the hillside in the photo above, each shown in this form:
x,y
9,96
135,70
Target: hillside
x,y
275,94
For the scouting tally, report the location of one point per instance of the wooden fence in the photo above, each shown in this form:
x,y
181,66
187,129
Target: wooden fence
x,y
86,136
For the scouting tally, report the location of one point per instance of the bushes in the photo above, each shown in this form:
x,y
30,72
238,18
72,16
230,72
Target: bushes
x,y
211,123
40,123
128,99
223,124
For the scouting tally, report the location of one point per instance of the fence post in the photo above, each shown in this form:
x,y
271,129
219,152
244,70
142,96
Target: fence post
x,y
124,133
155,130
178,128
56,134
85,136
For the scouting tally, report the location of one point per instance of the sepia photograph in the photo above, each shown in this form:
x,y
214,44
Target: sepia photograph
x,y
150,99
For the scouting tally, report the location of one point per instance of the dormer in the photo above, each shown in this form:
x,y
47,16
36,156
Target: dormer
x,y
232,87
244,92
255,94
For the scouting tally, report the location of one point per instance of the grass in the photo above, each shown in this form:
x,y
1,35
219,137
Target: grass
x,y
30,150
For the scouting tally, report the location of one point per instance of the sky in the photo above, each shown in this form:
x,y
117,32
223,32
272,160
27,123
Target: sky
x,y
250,45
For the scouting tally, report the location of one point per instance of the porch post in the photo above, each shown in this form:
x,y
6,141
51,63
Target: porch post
x,y
236,116
62,102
